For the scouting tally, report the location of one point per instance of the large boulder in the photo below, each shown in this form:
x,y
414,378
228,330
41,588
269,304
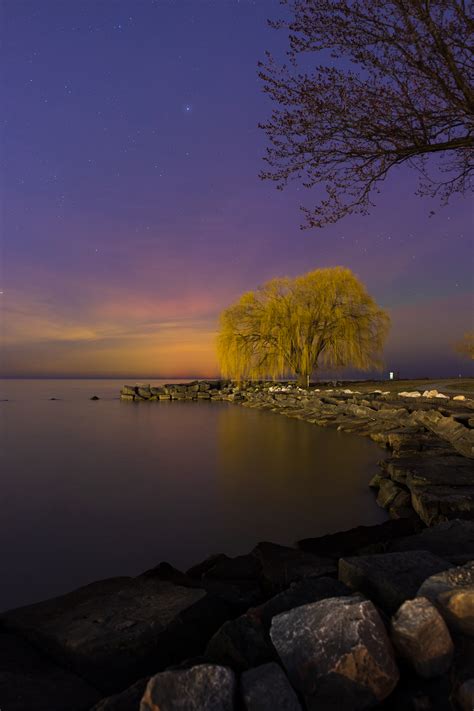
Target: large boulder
x,y
420,635
116,631
266,688
205,687
241,643
336,653
390,578
452,592
29,680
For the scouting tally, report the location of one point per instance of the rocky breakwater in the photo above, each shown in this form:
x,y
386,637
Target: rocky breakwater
x,y
375,617
429,436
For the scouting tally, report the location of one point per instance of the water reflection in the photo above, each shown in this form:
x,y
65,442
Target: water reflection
x,y
284,479
95,489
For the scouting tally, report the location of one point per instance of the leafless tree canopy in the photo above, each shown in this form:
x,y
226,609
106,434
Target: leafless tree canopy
x,y
398,88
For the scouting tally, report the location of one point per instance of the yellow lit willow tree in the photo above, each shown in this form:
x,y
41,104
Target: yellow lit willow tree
x,y
465,346
322,318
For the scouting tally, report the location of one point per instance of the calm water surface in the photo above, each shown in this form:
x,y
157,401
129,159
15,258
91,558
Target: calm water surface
x,y
91,490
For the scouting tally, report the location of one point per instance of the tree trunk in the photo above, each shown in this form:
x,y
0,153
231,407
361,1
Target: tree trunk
x,y
303,380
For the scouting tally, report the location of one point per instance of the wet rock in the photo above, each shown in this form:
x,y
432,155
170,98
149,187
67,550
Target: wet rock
x,y
465,695
31,681
453,594
280,566
128,700
205,687
241,644
420,635
116,631
390,578
336,653
95,397
451,540
301,593
266,688
350,542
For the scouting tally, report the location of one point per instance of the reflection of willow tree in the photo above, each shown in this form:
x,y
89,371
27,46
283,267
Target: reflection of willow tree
x,y
275,471
325,317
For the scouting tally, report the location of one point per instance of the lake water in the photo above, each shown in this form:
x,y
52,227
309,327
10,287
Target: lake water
x,y
91,489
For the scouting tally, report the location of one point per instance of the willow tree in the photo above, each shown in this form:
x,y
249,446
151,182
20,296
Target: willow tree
x,y
293,326
465,346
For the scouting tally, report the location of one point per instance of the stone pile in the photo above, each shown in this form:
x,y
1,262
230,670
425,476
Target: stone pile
x,y
375,617
430,473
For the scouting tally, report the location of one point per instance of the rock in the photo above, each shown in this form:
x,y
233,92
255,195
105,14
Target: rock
x,y
436,504
420,635
144,392
241,644
452,591
388,492
452,540
127,397
301,593
390,578
116,631
465,695
447,428
336,653
459,397
452,471
356,539
413,393
128,390
280,566
128,700
266,688
95,397
202,688
31,681
242,567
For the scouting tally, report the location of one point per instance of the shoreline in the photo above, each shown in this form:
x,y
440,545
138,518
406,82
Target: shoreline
x,y
429,474
342,620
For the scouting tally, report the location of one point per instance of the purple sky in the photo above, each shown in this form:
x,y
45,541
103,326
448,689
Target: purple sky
x,y
132,211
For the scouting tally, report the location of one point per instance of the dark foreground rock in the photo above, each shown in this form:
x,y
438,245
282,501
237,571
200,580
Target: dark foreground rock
x,y
30,681
452,592
128,700
451,540
421,636
356,540
266,688
390,578
116,631
202,688
241,643
336,653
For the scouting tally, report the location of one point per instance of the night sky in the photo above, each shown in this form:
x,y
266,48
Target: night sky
x,y
132,211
